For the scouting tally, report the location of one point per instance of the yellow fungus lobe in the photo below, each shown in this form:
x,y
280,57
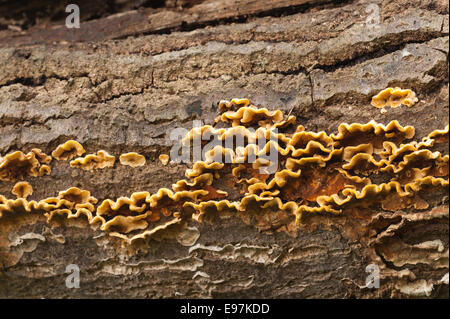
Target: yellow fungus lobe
x,y
164,158
132,159
394,97
22,190
68,150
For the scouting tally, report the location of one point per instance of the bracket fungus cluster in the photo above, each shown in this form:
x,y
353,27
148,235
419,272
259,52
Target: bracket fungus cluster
x,y
361,166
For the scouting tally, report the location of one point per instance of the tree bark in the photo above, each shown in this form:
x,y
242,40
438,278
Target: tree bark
x,y
129,76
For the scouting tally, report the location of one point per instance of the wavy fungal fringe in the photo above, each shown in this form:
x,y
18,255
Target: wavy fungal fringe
x,y
315,173
68,150
394,97
94,161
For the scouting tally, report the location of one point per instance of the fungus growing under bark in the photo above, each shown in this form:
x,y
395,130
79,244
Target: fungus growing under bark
x,y
316,173
68,150
132,159
22,190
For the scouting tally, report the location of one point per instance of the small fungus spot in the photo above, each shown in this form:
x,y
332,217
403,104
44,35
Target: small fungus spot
x,y
164,158
22,190
132,159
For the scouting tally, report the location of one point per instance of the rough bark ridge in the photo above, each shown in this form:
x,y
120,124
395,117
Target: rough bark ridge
x,y
123,81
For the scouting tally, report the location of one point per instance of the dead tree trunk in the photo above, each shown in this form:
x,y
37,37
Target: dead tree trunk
x,y
129,76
